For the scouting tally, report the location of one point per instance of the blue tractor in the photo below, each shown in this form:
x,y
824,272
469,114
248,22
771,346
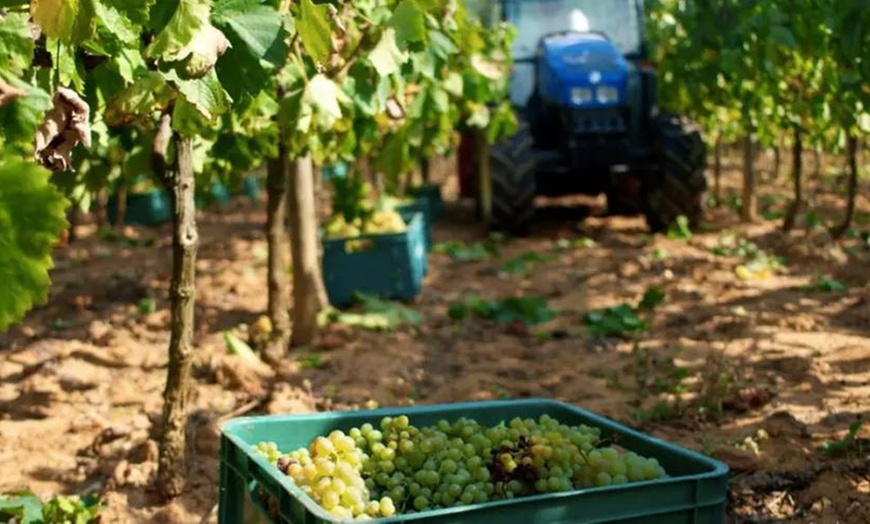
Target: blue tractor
x,y
585,95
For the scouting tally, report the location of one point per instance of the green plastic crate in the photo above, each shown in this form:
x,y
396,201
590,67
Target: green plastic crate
x,y
146,209
419,205
694,494
248,186
432,193
215,194
389,266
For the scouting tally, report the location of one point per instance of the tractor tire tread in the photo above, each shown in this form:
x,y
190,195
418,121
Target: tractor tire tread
x,y
679,185
512,169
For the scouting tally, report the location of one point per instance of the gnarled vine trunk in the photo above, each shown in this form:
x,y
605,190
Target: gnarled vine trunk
x,y
717,171
309,294
277,186
852,157
172,467
798,167
426,169
749,211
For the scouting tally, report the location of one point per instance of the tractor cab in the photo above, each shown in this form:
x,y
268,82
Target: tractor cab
x,y
589,119
539,21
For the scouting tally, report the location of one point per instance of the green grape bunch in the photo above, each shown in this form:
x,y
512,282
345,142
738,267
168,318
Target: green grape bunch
x,y
398,468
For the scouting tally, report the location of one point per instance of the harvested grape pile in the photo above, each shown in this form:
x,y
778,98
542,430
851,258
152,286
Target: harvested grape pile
x,y
399,468
379,223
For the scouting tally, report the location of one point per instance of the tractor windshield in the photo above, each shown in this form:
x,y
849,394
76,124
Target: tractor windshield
x,y
618,19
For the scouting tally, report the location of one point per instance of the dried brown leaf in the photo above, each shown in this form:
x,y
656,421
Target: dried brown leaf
x,y
65,125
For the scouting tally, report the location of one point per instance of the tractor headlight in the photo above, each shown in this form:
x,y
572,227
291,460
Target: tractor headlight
x,y
607,94
581,95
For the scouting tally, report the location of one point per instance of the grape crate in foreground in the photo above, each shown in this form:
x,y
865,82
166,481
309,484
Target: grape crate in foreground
x,y
517,461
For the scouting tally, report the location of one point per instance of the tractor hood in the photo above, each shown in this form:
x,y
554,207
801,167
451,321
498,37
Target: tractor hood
x,y
582,70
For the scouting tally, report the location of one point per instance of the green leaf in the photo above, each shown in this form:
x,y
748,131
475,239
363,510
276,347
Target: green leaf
x,y
386,56
236,346
16,47
71,510
394,157
377,315
325,95
206,94
148,94
137,11
25,505
117,24
188,19
187,120
314,29
254,27
20,118
65,64
453,84
479,117
409,23
32,217
652,298
620,321
70,21
826,284
240,74
842,446
487,68
441,44
784,36
680,230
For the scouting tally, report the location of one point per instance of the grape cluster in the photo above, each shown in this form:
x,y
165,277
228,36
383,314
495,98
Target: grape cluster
x,y
380,222
329,471
399,468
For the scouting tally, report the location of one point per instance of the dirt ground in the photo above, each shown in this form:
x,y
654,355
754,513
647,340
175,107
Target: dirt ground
x,y
725,357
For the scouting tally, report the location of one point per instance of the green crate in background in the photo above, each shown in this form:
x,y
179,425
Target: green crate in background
x,y
390,265
421,206
432,194
145,209
215,194
695,493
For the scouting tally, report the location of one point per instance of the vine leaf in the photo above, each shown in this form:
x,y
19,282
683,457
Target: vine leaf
x,y
70,21
386,56
254,27
137,11
409,23
486,68
16,46
66,125
203,51
313,28
20,116
146,95
395,156
205,94
325,95
32,217
257,39
188,19
113,22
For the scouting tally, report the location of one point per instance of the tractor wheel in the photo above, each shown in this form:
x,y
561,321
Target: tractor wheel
x,y
677,188
512,171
